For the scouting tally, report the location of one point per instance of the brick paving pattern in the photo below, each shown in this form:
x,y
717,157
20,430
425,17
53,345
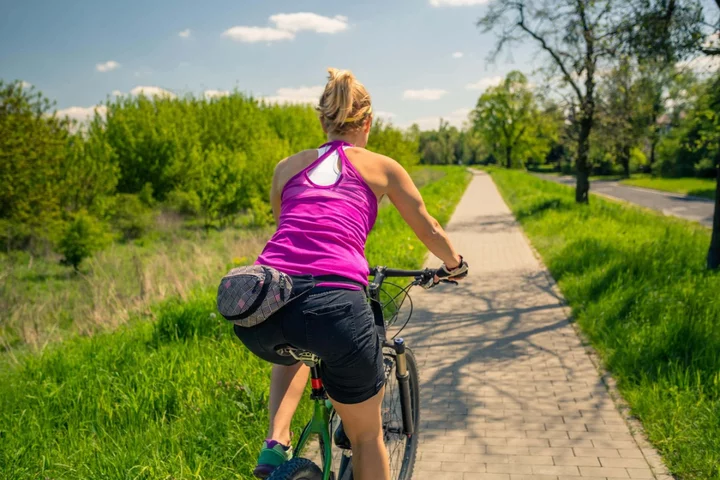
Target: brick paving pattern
x,y
508,391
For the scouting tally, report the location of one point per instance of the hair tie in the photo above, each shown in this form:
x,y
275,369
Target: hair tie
x,y
355,119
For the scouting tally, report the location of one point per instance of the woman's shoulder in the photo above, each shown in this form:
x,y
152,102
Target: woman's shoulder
x,y
294,164
363,155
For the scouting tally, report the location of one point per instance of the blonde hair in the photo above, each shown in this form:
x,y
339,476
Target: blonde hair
x,y
345,104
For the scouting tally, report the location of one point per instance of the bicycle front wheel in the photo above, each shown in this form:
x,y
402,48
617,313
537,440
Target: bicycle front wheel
x,y
297,469
402,448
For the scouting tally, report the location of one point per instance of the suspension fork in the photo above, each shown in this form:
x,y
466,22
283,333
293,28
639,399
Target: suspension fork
x,y
398,344
403,378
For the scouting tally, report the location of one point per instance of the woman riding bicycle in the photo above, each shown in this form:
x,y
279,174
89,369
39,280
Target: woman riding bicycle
x,y
325,202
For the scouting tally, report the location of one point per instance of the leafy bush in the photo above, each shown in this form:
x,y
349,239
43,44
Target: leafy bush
x,y
184,203
84,236
131,217
705,168
261,213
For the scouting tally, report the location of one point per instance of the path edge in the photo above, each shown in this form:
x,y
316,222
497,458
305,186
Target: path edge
x,y
650,454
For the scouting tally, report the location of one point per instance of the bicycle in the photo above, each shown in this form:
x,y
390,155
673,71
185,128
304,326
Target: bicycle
x,y
400,431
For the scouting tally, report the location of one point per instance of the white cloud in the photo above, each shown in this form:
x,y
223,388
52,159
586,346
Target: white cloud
x,y
150,91
457,3
107,66
82,114
455,118
298,22
216,93
25,85
296,95
257,34
457,55
485,83
286,25
185,33
424,94
117,93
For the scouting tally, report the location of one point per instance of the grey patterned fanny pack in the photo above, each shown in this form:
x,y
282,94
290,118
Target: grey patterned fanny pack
x,y
249,295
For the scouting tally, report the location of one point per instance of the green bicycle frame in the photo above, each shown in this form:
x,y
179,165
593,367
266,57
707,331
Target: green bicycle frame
x,y
320,423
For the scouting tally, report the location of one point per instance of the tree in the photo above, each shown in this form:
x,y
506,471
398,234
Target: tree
x,y
32,150
505,116
624,110
83,236
441,146
577,35
713,257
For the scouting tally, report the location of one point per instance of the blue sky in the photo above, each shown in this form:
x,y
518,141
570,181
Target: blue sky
x,y
420,59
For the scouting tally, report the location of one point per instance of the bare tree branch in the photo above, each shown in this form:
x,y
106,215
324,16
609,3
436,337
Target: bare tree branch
x,y
547,48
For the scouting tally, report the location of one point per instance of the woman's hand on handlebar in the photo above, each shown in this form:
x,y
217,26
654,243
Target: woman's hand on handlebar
x,y
452,275
446,275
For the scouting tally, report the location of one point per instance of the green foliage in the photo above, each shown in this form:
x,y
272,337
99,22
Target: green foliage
x,y
32,152
509,120
393,142
131,217
184,203
637,285
212,158
84,235
262,213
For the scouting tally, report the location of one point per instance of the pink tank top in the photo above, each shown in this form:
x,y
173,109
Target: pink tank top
x,y
323,229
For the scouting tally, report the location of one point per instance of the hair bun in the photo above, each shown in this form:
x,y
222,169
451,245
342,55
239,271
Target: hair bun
x,y
344,103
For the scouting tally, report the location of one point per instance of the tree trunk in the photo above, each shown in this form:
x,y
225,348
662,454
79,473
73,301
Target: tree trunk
x,y
508,157
653,144
625,160
582,187
713,258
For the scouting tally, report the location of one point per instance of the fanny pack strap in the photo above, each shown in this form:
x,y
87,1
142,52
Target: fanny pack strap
x,y
337,279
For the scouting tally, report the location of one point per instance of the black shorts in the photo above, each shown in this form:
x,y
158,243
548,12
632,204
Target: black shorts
x,y
335,324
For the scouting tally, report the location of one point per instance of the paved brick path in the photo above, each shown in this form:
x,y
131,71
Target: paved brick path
x,y
508,391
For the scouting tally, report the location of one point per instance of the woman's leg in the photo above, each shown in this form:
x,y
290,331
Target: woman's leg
x,y
287,385
363,425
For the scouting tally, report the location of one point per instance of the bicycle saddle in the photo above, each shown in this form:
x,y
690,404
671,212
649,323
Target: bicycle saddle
x,y
308,358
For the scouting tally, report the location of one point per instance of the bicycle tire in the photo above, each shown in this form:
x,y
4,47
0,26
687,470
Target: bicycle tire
x,y
297,469
404,448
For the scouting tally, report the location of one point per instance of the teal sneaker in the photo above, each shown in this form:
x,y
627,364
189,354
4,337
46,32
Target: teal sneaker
x,y
272,455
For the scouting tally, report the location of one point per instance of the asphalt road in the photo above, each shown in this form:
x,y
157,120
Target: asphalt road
x,y
690,208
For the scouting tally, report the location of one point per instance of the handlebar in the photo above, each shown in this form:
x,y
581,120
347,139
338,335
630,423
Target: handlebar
x,y
421,276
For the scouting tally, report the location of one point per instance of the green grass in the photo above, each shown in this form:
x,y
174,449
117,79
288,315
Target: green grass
x,y
176,397
638,288
42,301
698,187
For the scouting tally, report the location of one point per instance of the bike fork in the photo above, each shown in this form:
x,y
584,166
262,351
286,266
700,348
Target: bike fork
x,y
403,378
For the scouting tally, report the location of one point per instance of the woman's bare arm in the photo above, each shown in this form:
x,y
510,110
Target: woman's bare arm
x,y
403,193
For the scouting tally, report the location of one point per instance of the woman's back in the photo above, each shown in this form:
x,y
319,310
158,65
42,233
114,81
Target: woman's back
x,y
322,229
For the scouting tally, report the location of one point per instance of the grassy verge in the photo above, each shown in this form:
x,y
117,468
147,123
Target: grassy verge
x,y
178,397
698,187
638,288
